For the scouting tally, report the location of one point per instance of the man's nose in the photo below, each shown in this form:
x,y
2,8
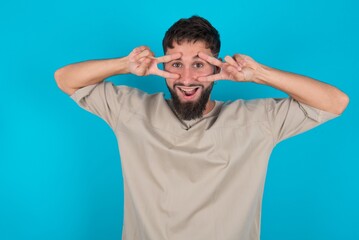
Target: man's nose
x,y
188,76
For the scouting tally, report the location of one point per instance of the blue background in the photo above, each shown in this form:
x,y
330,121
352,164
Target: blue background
x,y
60,173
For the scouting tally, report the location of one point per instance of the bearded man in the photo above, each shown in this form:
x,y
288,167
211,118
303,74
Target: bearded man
x,y
193,167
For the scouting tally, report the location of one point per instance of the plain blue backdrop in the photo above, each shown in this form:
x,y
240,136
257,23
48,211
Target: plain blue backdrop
x,y
60,172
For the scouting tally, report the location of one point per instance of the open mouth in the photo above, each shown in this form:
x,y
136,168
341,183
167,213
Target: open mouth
x,y
189,93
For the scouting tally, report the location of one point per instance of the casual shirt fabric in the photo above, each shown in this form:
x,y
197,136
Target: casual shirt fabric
x,y
201,180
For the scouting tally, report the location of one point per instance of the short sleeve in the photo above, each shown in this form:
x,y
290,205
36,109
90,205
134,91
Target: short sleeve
x,y
102,99
288,117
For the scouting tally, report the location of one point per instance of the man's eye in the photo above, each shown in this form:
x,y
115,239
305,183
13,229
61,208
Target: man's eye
x,y
198,65
176,65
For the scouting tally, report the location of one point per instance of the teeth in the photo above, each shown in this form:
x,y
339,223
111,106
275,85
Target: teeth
x,y
188,90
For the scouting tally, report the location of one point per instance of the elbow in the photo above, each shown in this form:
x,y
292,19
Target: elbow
x,y
60,81
58,78
341,103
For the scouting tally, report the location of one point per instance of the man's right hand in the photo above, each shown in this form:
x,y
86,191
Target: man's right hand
x,y
142,62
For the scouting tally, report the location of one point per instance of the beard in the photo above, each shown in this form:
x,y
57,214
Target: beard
x,y
193,109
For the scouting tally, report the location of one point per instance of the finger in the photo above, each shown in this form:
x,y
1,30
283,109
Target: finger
x,y
211,60
166,74
232,62
144,53
168,58
248,66
240,59
146,62
141,70
143,66
210,78
138,49
234,74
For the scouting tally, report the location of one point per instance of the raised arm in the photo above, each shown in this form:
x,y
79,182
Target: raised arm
x,y
140,61
304,89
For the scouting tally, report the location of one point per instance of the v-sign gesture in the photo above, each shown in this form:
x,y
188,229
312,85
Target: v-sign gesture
x,y
142,63
237,68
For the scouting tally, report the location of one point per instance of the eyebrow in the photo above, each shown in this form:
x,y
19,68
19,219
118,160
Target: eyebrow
x,y
194,57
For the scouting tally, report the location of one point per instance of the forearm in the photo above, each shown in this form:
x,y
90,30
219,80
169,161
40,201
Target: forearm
x,y
78,75
304,89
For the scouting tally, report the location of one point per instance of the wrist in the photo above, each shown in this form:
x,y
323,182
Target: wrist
x,y
121,65
262,75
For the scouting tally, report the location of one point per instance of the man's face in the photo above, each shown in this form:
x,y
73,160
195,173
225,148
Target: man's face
x,y
190,97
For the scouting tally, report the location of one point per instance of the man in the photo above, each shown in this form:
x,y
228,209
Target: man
x,y
195,168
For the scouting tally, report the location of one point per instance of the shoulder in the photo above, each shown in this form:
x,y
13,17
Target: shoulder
x,y
248,105
137,101
247,111
138,96
129,95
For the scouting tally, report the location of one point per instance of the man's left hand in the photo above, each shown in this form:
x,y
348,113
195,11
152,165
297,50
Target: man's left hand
x,y
239,68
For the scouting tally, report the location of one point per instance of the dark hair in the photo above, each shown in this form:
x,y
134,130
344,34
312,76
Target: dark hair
x,y
192,29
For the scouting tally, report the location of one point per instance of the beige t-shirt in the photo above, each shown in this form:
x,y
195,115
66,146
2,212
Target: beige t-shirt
x,y
203,182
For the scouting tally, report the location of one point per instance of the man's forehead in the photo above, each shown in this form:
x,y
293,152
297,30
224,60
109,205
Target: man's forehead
x,y
189,48
189,52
